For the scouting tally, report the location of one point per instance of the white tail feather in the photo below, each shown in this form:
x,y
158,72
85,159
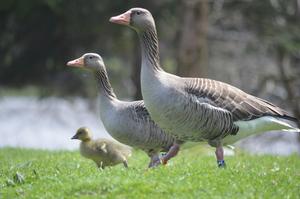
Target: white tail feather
x,y
258,126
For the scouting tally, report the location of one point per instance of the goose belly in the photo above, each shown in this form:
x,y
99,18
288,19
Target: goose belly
x,y
175,127
143,134
175,117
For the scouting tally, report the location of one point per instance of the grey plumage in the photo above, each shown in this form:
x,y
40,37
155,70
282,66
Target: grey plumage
x,y
194,109
242,105
229,104
127,122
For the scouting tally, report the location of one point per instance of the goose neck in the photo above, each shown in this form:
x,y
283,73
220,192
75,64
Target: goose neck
x,y
86,140
150,49
104,85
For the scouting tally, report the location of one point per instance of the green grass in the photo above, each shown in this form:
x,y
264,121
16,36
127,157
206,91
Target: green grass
x,y
43,174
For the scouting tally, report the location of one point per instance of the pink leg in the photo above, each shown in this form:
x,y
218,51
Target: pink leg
x,y
220,156
220,153
174,149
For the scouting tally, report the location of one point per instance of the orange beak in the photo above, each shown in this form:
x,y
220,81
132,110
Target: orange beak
x,y
123,19
76,62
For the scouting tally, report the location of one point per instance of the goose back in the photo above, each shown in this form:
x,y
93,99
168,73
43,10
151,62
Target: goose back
x,y
241,105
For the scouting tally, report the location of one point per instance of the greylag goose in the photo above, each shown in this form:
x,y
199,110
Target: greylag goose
x,y
128,122
103,152
197,109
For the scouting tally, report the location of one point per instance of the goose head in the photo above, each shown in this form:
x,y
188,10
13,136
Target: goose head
x,y
90,61
139,19
83,134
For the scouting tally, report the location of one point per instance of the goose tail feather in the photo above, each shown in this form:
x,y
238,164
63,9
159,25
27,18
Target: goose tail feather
x,y
290,118
258,126
276,111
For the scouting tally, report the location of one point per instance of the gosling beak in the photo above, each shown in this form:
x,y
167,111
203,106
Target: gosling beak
x,y
123,19
76,62
74,137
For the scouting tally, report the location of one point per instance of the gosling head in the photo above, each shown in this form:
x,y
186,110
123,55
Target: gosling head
x,y
139,19
90,61
83,134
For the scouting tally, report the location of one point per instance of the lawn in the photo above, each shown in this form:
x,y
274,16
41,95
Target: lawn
x,y
28,173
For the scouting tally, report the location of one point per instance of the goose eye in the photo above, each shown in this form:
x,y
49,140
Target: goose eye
x,y
90,57
138,12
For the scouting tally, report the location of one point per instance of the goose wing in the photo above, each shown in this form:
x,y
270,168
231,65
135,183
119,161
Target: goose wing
x,y
241,105
153,134
214,122
139,111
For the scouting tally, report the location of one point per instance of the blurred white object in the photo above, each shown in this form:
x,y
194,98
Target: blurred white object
x,y
45,123
276,143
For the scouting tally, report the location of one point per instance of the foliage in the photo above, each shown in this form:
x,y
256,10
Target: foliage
x,y
62,174
275,21
37,38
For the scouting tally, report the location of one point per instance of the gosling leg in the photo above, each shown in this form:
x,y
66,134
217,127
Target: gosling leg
x,y
125,163
101,165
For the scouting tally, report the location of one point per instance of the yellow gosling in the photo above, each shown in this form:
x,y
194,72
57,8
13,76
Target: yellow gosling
x,y
103,152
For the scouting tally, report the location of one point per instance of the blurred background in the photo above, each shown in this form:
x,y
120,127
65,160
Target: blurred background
x,y
251,44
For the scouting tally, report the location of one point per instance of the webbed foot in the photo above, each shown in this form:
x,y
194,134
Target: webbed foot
x,y
221,163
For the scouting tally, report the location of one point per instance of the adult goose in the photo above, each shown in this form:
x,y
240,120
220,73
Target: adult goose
x,y
197,109
127,122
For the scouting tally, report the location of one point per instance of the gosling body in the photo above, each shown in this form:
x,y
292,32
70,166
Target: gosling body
x,y
103,152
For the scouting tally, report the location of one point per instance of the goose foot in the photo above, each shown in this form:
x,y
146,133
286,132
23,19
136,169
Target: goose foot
x,y
155,161
221,163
